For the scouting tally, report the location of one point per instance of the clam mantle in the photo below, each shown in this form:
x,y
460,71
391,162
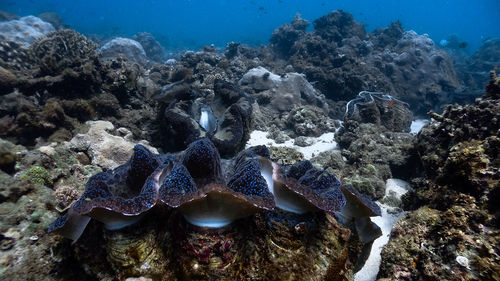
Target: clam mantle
x,y
216,212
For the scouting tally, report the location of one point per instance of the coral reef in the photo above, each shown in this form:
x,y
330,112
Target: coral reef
x,y
454,231
283,37
59,83
380,109
372,155
144,215
61,50
473,70
344,60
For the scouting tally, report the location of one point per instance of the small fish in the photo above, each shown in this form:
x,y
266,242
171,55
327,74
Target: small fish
x,y
172,91
208,121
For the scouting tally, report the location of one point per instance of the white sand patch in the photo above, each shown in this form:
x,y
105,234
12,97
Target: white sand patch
x,y
416,125
390,215
320,144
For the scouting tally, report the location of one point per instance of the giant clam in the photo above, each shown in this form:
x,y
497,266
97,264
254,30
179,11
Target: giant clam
x,y
223,117
381,109
197,216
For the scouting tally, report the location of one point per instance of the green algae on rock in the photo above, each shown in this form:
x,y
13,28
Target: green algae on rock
x,y
37,175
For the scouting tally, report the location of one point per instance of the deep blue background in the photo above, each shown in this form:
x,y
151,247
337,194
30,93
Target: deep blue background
x,y
193,23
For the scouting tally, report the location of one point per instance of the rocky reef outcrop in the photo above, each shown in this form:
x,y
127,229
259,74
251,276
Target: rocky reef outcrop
x,y
453,232
52,88
344,60
370,154
474,70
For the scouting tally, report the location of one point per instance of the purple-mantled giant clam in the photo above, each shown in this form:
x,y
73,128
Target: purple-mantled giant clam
x,y
208,190
198,210
379,108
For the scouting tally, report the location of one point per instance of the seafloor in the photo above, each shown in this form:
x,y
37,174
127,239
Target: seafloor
x,y
73,106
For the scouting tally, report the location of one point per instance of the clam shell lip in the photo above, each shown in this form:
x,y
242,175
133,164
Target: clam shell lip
x,y
365,98
70,225
216,206
243,182
361,202
97,197
329,200
265,203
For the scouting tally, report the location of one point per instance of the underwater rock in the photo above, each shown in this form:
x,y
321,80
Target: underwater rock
x,y
338,25
458,148
105,145
279,94
8,157
197,233
387,37
7,81
14,56
474,70
63,49
129,48
373,154
456,204
25,30
380,109
309,121
154,51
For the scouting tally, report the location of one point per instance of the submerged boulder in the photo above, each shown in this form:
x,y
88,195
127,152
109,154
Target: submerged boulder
x,y
154,50
129,48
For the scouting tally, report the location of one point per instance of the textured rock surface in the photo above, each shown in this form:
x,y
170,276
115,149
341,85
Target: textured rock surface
x,y
106,146
373,154
380,109
29,199
454,231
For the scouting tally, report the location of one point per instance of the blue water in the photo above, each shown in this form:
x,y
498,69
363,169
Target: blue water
x,y
194,23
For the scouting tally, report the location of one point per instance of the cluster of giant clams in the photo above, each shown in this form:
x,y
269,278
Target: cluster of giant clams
x,y
195,216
